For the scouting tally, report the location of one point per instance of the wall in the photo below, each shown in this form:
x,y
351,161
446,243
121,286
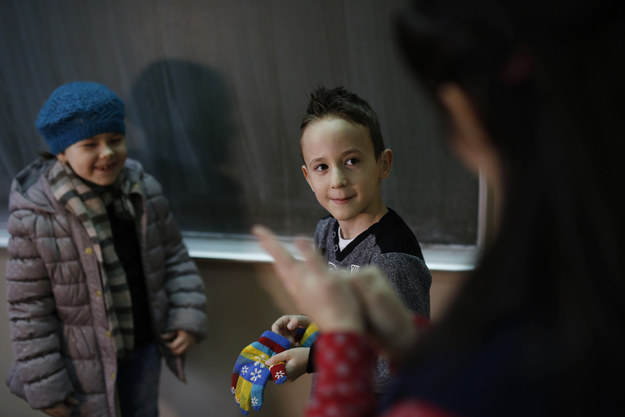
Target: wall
x,y
244,299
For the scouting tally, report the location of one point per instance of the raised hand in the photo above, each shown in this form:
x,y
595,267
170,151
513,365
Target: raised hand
x,y
339,301
390,323
326,297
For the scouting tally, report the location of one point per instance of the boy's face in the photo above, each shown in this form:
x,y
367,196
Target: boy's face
x,y
341,168
98,159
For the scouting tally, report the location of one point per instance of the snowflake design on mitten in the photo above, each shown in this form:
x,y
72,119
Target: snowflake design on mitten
x,y
260,360
256,374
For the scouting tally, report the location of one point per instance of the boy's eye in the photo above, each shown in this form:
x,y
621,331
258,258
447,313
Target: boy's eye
x,y
351,161
320,167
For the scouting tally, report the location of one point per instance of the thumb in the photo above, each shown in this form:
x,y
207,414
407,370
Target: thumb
x,y
278,357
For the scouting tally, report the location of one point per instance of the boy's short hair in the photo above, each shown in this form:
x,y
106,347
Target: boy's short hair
x,y
342,103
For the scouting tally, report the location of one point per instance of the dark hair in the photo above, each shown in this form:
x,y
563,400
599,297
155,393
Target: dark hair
x,y
546,80
341,103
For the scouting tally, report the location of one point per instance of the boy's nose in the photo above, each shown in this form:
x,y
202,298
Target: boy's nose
x,y
338,178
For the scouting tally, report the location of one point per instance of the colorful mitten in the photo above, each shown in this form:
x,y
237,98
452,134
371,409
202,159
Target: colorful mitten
x,y
250,373
310,335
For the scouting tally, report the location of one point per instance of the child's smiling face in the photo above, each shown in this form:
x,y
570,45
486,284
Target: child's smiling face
x,y
342,170
98,159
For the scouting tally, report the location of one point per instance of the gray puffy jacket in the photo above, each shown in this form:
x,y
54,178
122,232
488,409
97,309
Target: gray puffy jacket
x,y
54,292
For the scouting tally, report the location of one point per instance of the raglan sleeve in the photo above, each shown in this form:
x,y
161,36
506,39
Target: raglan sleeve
x,y
410,277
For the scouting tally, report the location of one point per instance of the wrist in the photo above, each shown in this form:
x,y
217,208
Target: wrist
x,y
343,325
405,344
341,340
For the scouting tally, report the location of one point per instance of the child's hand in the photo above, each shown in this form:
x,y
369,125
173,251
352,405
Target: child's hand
x,y
290,327
179,341
63,409
296,360
391,323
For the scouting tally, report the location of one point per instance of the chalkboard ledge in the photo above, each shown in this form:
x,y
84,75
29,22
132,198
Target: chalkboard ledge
x,y
246,249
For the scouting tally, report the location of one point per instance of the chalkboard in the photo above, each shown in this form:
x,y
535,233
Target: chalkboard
x,y
215,90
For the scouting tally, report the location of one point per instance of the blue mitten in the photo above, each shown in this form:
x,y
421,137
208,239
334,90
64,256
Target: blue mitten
x,y
250,373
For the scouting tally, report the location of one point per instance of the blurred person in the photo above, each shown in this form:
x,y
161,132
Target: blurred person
x,y
531,94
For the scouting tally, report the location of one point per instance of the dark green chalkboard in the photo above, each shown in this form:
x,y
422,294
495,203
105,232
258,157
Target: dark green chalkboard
x,y
215,91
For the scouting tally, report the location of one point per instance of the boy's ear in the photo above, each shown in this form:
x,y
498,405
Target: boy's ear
x,y
385,161
61,157
305,172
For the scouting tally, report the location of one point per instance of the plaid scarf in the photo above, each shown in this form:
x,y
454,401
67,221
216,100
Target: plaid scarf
x,y
90,207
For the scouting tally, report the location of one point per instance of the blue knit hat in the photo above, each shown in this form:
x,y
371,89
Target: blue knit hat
x,y
77,111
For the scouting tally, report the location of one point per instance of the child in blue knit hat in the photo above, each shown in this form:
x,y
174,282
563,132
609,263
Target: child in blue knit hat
x,y
100,285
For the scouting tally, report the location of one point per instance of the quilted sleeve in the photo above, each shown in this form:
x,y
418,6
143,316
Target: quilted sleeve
x,y
183,284
38,373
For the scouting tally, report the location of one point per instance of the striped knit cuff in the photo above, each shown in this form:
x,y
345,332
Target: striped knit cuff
x,y
274,341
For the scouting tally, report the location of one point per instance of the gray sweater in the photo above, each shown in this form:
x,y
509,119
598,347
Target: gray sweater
x,y
391,246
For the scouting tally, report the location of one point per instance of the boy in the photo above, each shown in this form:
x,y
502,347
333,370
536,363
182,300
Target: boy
x,y
345,161
99,282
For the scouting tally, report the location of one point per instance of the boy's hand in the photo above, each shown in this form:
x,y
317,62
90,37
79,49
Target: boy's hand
x,y
290,327
296,360
179,341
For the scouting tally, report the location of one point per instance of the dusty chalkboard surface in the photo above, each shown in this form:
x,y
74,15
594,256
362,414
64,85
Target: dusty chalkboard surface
x,y
215,91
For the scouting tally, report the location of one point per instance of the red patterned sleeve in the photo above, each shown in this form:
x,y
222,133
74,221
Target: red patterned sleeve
x,y
345,365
